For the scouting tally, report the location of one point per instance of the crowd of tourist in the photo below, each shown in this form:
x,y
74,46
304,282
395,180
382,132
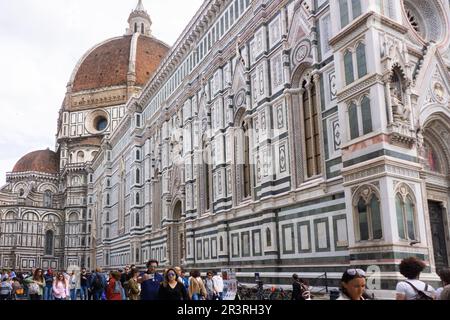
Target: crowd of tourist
x,y
175,284
127,284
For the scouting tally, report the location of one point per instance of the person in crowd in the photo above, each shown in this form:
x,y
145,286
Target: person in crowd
x,y
60,287
36,284
74,285
412,288
353,285
84,284
300,289
134,289
114,288
218,286
98,284
444,274
5,289
171,289
17,288
197,290
150,281
48,289
124,278
209,286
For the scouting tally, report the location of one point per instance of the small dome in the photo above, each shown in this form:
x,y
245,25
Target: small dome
x,y
108,64
45,161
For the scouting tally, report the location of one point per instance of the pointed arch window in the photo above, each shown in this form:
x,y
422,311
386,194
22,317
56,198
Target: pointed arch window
x,y
138,154
348,66
80,157
49,243
268,237
349,9
368,215
311,140
108,199
48,199
142,28
246,167
138,176
135,28
361,59
138,200
366,115
207,167
137,219
343,8
406,214
360,118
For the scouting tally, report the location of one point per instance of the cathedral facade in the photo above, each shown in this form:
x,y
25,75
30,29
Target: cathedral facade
x,y
273,137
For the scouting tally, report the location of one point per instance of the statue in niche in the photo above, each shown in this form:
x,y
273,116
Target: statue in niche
x,y
176,140
401,112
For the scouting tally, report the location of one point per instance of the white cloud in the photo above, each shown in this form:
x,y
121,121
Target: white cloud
x,y
40,44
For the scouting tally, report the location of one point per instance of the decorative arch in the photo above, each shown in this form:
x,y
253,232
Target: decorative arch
x,y
177,209
242,159
51,217
406,212
306,124
30,216
367,213
47,186
10,215
73,216
437,135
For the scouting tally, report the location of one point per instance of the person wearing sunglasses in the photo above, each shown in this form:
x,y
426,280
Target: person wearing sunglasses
x,y
171,289
353,285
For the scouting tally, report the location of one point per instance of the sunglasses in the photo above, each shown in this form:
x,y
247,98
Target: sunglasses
x,y
354,272
171,274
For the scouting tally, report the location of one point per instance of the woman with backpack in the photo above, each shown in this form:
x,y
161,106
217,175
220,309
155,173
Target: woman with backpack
x,y
36,284
98,284
114,289
412,288
60,287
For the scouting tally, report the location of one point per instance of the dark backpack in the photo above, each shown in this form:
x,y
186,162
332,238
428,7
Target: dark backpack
x,y
421,295
97,284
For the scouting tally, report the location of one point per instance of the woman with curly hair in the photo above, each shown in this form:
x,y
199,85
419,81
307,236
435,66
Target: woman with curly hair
x,y
412,288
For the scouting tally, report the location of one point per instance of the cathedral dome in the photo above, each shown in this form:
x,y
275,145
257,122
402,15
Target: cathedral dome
x,y
45,161
112,62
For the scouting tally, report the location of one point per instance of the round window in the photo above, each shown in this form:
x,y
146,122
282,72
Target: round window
x,y
101,123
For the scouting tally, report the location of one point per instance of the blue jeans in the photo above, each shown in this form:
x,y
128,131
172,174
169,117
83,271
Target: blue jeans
x,y
219,296
48,293
73,294
195,296
84,293
97,295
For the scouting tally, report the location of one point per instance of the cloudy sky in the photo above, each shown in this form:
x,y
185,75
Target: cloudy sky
x,y
40,43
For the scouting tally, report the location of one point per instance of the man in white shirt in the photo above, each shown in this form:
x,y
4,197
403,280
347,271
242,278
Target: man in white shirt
x,y
218,285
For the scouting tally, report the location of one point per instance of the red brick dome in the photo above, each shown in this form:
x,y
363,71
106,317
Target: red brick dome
x,y
45,161
108,64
